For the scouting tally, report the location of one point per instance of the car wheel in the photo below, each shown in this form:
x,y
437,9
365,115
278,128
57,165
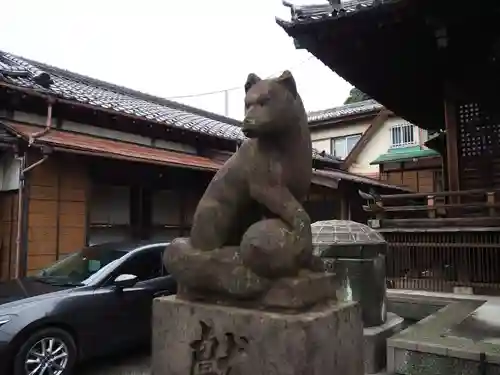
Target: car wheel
x,y
47,351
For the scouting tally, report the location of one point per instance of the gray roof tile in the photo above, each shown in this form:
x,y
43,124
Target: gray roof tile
x,y
352,109
72,86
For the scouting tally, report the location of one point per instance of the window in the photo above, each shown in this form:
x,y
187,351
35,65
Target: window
x,y
146,265
109,214
80,266
342,146
403,135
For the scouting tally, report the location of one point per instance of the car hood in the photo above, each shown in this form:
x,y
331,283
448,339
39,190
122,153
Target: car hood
x,y
26,289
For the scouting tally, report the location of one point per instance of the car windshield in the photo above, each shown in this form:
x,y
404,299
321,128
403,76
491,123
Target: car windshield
x,y
76,268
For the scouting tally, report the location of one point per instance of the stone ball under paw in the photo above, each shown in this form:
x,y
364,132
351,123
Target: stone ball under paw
x,y
217,272
269,250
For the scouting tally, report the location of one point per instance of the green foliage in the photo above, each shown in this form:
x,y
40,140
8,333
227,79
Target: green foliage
x,y
356,95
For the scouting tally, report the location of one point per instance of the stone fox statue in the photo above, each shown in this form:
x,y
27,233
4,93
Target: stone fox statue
x,y
250,227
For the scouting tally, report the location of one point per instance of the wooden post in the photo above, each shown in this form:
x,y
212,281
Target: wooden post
x,y
452,157
379,209
431,207
344,209
490,198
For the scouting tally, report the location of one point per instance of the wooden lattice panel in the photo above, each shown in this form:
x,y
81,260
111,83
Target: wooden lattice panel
x,y
439,261
478,146
469,116
479,131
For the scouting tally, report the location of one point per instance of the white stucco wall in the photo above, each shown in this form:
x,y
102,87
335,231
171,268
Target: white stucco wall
x,y
379,144
321,138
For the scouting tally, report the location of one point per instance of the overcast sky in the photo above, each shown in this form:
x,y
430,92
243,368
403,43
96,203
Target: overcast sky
x,y
169,48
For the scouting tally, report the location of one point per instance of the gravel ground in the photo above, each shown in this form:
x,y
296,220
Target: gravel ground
x,y
127,364
136,363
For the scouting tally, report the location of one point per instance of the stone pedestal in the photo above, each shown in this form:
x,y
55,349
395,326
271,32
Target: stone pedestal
x,y
375,345
191,338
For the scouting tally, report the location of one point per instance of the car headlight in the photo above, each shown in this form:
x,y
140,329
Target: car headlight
x,y
4,319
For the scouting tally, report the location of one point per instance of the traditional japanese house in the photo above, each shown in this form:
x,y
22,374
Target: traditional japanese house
x,y
435,64
84,161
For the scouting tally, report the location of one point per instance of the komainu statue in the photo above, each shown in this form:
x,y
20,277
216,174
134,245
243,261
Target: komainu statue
x,y
251,238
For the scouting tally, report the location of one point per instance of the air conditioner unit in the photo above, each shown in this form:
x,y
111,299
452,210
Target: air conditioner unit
x,y
10,170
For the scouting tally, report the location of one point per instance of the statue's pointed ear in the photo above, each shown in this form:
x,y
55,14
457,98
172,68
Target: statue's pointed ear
x,y
252,79
286,79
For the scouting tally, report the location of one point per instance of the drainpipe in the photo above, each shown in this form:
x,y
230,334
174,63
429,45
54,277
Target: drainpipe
x,y
22,204
20,197
37,163
22,208
48,124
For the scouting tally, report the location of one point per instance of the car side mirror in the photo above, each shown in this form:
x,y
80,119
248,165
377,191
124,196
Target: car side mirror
x,y
125,281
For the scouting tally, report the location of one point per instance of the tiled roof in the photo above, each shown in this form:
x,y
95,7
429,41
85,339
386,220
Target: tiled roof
x,y
405,153
75,142
323,156
355,178
64,84
311,13
61,83
352,109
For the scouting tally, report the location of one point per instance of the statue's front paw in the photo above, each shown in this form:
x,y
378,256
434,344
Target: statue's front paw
x,y
218,272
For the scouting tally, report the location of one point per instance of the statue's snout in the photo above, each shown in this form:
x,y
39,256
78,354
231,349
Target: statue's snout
x,y
248,121
248,127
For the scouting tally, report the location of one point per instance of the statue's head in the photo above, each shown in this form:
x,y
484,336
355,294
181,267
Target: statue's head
x,y
272,106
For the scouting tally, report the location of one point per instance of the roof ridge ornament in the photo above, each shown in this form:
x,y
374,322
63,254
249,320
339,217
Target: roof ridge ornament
x,y
40,77
302,12
334,8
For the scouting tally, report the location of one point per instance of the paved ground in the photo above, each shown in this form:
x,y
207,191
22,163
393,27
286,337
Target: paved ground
x,y
135,363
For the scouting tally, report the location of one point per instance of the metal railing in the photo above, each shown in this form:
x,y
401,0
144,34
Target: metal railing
x,y
431,210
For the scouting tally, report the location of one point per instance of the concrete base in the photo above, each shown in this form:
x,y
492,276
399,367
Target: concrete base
x,y
375,345
463,338
196,338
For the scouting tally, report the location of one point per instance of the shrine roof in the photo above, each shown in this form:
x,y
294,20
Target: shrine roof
x,y
387,49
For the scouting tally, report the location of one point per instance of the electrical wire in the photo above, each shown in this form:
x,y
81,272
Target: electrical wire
x,y
239,87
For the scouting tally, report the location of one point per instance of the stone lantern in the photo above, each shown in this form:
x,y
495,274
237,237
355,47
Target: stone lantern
x,y
356,253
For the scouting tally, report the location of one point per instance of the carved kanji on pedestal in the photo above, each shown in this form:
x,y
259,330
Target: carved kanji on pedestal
x,y
213,356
